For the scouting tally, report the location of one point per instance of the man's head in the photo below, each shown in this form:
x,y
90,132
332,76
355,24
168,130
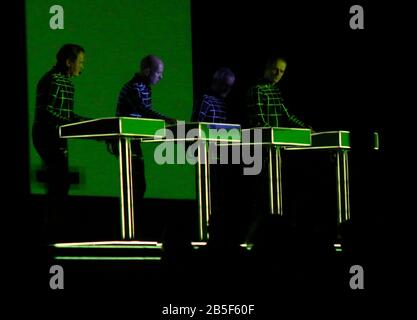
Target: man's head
x,y
152,69
223,81
274,69
70,59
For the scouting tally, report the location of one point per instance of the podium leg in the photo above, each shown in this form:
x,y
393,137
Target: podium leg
x,y
126,190
342,174
275,180
203,186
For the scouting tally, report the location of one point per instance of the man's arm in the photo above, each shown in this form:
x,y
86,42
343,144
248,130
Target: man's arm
x,y
145,112
56,107
48,101
201,111
292,118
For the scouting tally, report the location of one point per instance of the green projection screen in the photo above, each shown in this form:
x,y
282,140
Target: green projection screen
x,y
115,35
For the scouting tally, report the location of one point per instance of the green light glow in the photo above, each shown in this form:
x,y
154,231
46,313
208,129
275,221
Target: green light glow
x,y
114,247
291,136
199,243
247,246
327,140
114,126
107,258
110,244
376,141
115,35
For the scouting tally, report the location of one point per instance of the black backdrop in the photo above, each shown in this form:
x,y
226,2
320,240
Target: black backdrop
x,y
336,77
334,73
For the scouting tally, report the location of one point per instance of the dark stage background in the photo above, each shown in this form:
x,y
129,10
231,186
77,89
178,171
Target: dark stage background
x,y
333,80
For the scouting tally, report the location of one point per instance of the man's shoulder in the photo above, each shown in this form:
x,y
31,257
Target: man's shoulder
x,y
260,84
53,76
216,101
208,96
136,83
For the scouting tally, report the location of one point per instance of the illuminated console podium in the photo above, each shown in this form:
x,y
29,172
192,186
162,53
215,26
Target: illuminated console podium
x,y
124,130
276,138
206,136
338,141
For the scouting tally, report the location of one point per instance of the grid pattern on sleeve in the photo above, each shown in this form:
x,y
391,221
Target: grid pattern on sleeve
x,y
212,109
135,100
55,99
267,109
